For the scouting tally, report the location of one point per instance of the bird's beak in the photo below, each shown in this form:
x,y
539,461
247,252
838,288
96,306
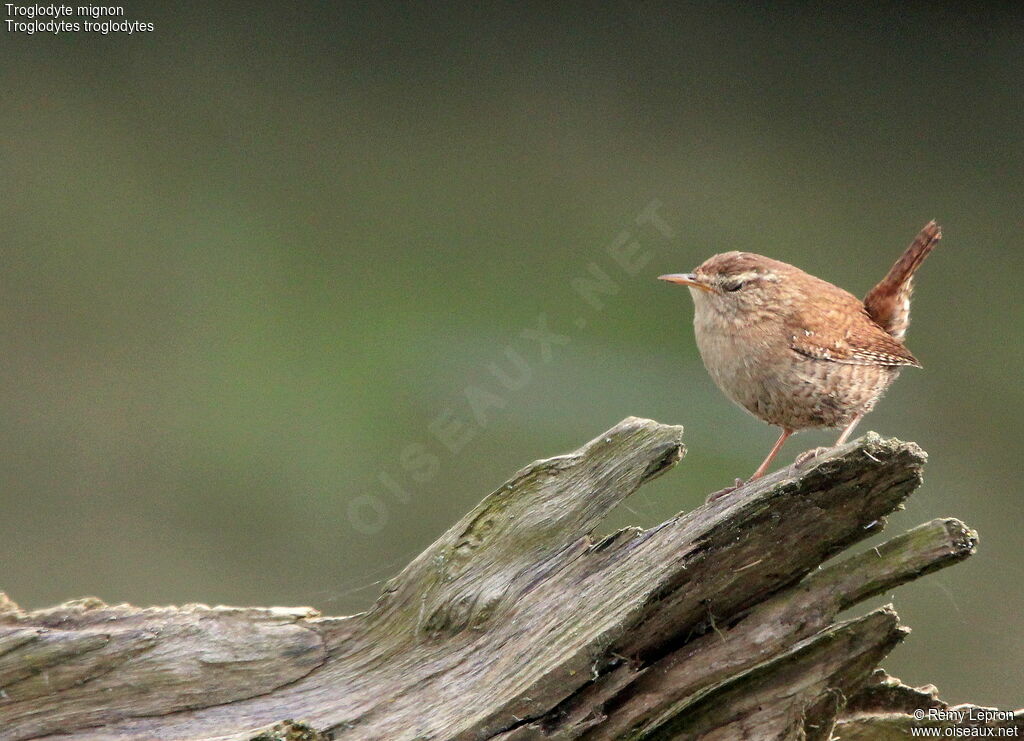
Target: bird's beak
x,y
686,279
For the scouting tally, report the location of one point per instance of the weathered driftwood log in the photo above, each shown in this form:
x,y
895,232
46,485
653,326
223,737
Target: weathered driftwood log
x,y
516,626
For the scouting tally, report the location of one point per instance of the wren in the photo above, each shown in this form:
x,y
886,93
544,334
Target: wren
x,y
795,350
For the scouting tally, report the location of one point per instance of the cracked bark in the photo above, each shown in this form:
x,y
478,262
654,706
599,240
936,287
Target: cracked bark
x,y
515,625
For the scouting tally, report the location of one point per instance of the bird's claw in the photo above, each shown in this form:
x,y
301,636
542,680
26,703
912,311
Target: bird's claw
x,y
726,491
809,455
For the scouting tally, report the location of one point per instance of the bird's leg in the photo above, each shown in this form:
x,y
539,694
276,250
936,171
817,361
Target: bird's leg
x,y
760,469
808,455
771,455
848,430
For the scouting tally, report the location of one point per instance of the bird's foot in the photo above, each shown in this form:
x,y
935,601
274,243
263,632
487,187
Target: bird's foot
x,y
809,455
726,491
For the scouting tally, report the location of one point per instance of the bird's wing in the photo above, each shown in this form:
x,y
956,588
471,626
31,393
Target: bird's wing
x,y
837,328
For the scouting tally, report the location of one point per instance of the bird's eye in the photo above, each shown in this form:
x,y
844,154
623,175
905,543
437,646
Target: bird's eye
x,y
732,286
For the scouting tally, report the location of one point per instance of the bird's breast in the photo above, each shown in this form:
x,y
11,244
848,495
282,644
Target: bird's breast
x,y
737,357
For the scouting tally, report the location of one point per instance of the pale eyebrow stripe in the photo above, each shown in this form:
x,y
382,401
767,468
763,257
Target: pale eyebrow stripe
x,y
743,277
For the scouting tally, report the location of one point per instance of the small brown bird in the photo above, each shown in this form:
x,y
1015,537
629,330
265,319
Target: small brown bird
x,y
795,350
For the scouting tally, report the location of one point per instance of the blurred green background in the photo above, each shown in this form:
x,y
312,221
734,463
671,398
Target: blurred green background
x,y
251,257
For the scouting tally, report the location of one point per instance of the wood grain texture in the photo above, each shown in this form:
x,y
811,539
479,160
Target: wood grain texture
x,y
516,624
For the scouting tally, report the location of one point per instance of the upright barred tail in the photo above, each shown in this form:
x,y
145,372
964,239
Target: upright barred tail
x,y
888,303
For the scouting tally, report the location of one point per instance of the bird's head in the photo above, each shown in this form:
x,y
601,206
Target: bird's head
x,y
735,283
